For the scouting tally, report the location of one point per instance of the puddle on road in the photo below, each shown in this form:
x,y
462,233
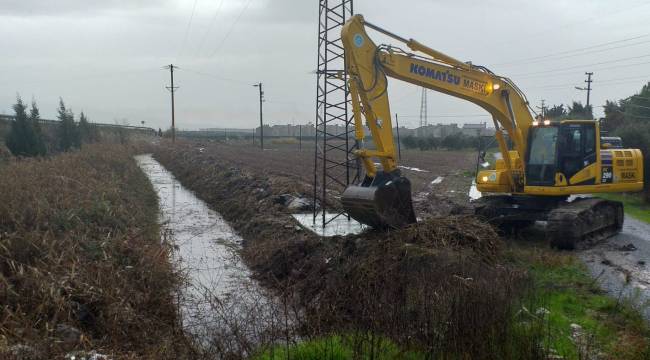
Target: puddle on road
x,y
338,226
624,273
205,249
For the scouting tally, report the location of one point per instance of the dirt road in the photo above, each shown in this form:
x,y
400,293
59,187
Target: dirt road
x,y
622,264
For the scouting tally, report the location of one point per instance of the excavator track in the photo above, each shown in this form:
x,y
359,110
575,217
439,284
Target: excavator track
x,y
583,221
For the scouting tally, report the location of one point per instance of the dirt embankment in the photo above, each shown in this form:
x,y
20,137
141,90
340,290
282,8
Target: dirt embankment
x,y
438,286
81,263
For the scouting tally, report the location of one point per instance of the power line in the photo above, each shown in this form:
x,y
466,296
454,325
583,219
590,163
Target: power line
x,y
207,32
571,71
640,97
638,106
112,75
586,65
573,24
187,31
635,116
220,77
608,81
543,57
231,28
583,53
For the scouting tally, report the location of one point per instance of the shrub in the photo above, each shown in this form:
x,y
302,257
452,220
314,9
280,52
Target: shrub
x,y
80,248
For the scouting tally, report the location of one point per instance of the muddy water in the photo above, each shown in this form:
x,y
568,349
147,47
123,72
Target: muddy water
x,y
622,264
205,250
335,224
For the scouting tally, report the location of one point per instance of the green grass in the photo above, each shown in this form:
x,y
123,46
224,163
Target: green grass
x,y
634,205
339,348
564,287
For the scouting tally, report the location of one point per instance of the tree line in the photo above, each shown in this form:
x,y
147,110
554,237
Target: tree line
x,y
454,141
629,118
574,111
27,138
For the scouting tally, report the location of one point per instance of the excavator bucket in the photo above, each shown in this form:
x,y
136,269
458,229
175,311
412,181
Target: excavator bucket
x,y
381,202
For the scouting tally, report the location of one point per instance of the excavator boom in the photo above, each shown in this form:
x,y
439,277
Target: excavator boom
x,y
383,199
542,161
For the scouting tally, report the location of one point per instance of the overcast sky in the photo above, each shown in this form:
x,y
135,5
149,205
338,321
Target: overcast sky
x,y
105,57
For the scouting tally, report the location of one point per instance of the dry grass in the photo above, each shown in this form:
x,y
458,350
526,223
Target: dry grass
x,y
80,249
438,287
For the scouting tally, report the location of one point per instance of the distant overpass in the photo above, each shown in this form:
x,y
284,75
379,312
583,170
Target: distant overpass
x,y
10,118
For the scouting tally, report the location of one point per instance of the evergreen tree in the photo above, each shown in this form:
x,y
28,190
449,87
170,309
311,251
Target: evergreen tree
x,y
614,116
22,140
637,107
35,120
579,111
87,131
555,112
68,132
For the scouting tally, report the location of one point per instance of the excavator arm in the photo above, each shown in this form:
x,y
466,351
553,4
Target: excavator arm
x,y
532,182
369,67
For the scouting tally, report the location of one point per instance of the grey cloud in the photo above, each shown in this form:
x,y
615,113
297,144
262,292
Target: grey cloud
x,y
57,7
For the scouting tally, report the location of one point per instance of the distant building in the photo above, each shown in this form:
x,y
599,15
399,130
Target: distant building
x,y
289,130
473,129
438,130
477,130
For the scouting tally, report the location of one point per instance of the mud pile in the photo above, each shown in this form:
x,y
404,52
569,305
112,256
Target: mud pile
x,y
437,286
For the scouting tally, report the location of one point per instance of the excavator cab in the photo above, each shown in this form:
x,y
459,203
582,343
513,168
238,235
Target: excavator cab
x,y
561,148
559,155
382,201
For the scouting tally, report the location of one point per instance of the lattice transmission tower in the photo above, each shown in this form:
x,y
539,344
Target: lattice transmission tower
x,y
423,109
335,166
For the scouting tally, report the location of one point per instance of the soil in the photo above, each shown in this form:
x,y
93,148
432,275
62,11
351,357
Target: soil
x,y
374,282
292,166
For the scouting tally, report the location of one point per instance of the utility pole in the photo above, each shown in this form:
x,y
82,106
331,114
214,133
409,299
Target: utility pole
x,y
172,89
399,144
300,136
588,88
543,108
261,118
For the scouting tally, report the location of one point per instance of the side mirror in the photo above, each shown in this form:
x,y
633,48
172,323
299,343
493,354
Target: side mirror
x,y
606,146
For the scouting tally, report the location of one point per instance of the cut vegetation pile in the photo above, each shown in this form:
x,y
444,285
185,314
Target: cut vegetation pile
x,y
438,287
81,262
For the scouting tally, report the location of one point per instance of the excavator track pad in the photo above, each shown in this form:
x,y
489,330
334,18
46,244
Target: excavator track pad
x,y
569,224
583,221
382,202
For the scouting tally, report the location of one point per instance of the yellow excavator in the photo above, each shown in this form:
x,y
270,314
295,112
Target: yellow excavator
x,y
542,161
